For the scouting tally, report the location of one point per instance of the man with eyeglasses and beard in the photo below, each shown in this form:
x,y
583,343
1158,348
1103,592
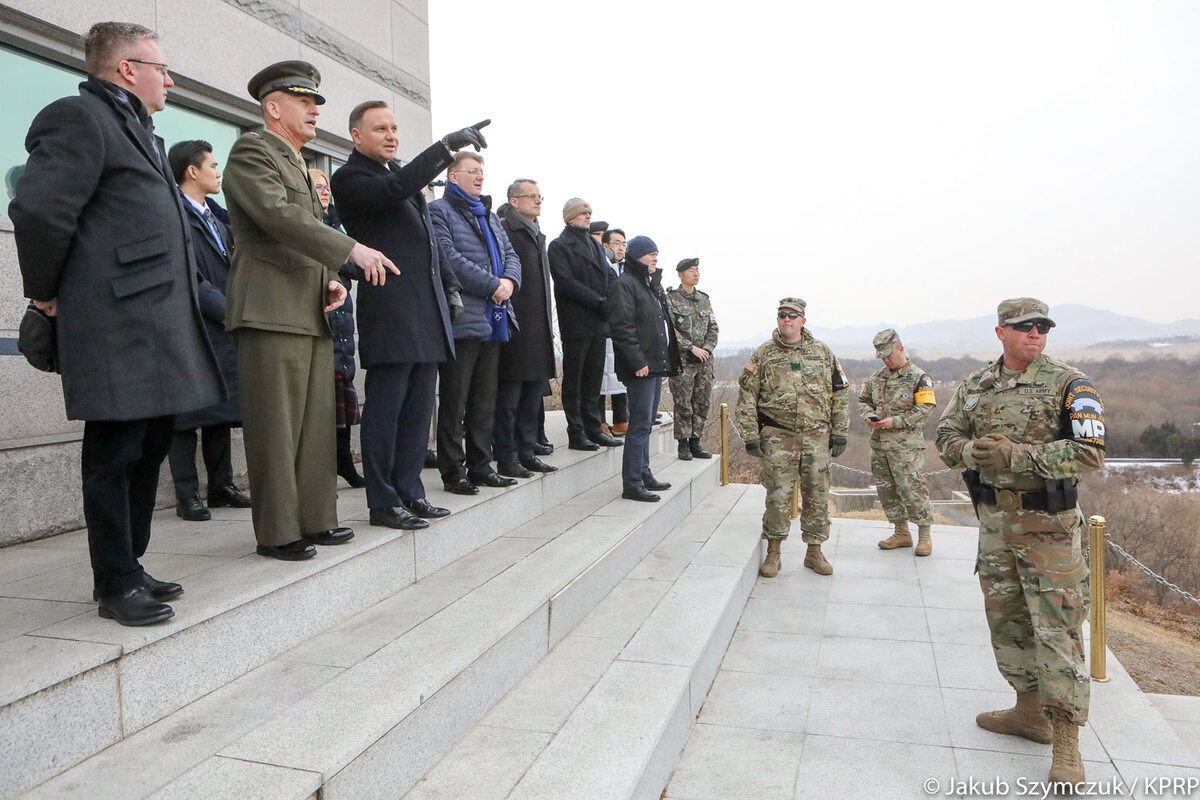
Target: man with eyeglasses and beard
x,y
1023,428
793,411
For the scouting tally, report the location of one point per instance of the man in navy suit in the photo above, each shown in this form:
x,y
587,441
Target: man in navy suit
x,y
195,170
404,325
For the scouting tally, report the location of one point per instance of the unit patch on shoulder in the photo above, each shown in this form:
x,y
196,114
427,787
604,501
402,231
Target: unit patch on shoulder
x,y
1083,410
839,376
971,402
750,366
924,393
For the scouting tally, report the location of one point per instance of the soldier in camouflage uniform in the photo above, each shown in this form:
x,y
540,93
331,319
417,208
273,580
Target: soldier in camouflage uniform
x,y
793,411
1025,427
696,331
895,402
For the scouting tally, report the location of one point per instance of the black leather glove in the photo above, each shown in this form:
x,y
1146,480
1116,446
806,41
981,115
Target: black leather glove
x,y
754,448
467,137
837,445
455,304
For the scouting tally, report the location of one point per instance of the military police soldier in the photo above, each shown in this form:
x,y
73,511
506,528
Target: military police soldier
x,y
696,331
283,280
793,411
1025,427
895,402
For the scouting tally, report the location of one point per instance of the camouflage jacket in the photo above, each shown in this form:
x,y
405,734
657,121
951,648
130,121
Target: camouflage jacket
x,y
695,324
905,395
798,386
1051,410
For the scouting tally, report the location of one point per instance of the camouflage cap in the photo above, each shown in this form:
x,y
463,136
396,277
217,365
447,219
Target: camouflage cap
x,y
794,303
885,341
687,263
1022,309
293,77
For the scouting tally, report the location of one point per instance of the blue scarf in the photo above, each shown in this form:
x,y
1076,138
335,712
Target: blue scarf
x,y
497,315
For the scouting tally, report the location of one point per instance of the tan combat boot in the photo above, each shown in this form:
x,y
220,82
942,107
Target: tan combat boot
x,y
814,559
924,543
1024,719
901,538
771,564
1067,765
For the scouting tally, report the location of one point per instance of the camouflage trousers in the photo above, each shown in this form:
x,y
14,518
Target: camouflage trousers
x,y
789,458
691,391
1035,595
900,482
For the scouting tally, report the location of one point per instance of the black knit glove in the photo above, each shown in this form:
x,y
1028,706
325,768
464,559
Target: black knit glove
x,y
837,445
754,448
455,304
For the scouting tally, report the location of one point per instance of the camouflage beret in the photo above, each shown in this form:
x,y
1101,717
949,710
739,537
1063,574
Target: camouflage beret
x,y
794,303
294,77
885,341
1022,309
687,263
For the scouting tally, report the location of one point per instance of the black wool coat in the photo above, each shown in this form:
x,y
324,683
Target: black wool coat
x,y
213,267
99,225
405,320
581,283
642,333
529,353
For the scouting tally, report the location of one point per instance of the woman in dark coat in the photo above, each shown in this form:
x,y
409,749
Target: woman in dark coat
x,y
341,321
645,349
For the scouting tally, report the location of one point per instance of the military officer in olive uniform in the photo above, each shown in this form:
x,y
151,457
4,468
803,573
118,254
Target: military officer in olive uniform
x,y
793,411
283,280
696,331
1025,427
895,402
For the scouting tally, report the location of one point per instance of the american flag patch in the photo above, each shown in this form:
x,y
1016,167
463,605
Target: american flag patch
x,y
750,366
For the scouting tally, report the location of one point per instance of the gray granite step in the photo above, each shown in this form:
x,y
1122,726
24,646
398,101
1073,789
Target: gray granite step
x,y
607,711
59,661
398,682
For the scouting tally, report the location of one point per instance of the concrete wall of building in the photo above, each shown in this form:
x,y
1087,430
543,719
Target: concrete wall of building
x,y
366,49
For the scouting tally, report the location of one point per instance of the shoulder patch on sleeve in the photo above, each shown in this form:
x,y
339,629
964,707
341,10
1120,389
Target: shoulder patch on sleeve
x,y
924,392
1083,411
750,367
839,376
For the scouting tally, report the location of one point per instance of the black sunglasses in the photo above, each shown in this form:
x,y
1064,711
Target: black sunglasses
x,y
788,315
1025,327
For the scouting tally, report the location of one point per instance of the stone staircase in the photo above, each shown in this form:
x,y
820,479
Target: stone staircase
x,y
348,675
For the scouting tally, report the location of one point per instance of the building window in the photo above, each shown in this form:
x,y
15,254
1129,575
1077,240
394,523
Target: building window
x,y
31,84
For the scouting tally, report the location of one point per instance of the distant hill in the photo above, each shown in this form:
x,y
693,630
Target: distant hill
x,y
1078,327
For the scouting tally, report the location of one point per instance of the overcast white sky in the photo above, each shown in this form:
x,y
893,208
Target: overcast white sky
x,y
889,162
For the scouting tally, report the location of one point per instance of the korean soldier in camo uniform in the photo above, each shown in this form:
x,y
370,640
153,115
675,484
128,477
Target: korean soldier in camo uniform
x,y
696,331
1025,427
793,412
895,402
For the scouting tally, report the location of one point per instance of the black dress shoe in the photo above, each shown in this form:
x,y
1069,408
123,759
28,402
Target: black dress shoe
x,y
430,459
697,450
543,448
331,536
159,590
658,419
535,464
192,510
396,517
604,440
582,444
493,480
292,551
228,495
426,510
460,486
513,469
656,485
639,494
135,607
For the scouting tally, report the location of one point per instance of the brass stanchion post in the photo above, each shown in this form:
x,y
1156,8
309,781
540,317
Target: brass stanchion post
x,y
1096,567
795,501
724,444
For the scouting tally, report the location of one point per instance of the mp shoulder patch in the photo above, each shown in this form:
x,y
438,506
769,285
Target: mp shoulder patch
x,y
924,393
1083,410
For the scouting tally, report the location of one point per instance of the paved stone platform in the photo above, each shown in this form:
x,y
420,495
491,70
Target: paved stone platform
x,y
866,684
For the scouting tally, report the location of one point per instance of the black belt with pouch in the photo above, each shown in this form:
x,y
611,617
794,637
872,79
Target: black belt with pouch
x,y
1058,495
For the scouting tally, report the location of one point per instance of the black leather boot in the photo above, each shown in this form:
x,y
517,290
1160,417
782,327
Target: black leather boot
x,y
345,460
